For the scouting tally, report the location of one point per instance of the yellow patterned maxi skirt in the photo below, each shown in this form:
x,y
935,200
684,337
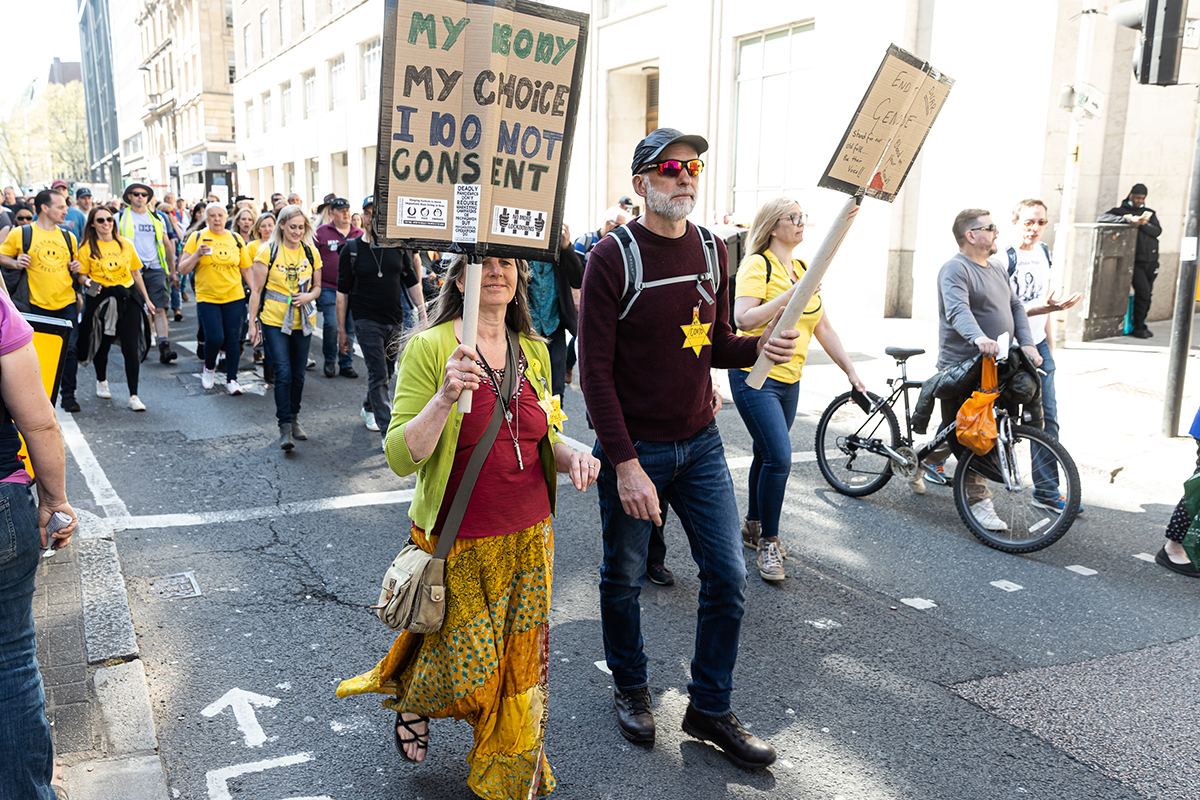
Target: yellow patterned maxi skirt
x,y
488,663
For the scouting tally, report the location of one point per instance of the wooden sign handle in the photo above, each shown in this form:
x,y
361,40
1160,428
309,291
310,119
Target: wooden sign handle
x,y
473,281
808,284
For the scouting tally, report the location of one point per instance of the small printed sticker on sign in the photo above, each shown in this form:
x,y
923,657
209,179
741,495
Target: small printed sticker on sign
x,y
509,221
421,212
466,212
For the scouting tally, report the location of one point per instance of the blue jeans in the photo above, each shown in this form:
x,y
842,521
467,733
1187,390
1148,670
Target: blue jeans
x,y
70,358
327,305
222,324
768,413
1045,467
26,749
288,355
691,475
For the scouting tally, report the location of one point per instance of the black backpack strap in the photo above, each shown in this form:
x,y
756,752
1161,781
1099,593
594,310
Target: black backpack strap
x,y
70,244
1012,261
308,253
26,238
352,245
631,257
1046,250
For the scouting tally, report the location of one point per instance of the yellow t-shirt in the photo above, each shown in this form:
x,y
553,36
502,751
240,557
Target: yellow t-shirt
x,y
218,275
111,265
751,282
51,285
289,275
254,245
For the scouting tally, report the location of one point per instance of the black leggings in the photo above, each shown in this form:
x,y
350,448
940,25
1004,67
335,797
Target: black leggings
x,y
129,330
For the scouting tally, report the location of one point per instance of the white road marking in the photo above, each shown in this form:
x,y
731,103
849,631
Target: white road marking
x,y
282,510
1007,586
1082,570
918,603
1144,557
218,778
743,462
242,703
603,667
103,492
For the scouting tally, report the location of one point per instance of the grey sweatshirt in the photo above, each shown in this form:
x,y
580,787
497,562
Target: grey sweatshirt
x,y
976,301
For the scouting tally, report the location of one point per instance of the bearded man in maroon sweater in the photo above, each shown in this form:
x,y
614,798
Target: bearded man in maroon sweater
x,y
645,373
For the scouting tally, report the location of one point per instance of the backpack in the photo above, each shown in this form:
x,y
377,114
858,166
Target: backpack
x,y
17,280
632,258
1012,258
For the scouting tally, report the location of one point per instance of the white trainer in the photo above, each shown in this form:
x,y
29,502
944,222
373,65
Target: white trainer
x,y
985,513
136,404
369,419
102,390
208,377
233,388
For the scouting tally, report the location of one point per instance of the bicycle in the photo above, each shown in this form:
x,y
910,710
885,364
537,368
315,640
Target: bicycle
x,y
859,448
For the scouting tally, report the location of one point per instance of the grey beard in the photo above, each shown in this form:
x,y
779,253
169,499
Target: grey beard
x,y
660,203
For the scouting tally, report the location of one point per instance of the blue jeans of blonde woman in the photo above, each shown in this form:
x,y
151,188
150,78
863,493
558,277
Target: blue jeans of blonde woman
x,y
768,413
26,749
288,355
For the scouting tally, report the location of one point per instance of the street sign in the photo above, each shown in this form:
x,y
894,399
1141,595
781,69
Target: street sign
x,y
478,110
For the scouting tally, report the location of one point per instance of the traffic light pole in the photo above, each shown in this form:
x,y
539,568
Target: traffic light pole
x,y
1185,300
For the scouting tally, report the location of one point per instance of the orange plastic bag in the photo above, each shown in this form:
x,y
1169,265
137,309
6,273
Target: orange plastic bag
x,y
975,424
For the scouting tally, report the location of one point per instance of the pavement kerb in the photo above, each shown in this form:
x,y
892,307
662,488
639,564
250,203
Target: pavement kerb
x,y
133,769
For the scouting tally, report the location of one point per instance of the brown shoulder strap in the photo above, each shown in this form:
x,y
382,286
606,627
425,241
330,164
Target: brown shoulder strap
x,y
478,454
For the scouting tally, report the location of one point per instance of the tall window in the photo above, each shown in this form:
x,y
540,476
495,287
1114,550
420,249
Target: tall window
x,y
310,93
772,67
229,14
232,66
337,82
285,24
308,13
250,128
266,111
247,45
264,33
372,53
285,102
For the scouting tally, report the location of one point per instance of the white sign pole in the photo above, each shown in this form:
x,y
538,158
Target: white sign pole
x,y
808,284
473,281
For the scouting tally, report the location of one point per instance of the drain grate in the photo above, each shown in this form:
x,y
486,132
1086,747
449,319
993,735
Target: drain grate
x,y
174,587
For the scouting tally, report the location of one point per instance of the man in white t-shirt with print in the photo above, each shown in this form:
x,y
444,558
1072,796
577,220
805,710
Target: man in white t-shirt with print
x,y
151,237
1029,275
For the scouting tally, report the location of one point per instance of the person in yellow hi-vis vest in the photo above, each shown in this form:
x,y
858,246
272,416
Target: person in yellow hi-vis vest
x,y
151,237
46,254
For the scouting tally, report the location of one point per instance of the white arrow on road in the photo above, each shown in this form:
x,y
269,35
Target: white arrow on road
x,y
242,703
218,779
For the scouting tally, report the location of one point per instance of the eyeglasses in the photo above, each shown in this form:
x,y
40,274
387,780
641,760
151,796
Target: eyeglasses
x,y
1034,223
672,168
796,219
105,220
24,218
138,194
992,228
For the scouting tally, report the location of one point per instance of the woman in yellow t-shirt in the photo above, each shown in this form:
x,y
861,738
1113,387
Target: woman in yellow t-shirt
x,y
111,268
764,286
221,261
286,288
260,234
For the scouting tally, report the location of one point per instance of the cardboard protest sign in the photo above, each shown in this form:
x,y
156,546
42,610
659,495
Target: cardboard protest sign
x,y
889,127
478,113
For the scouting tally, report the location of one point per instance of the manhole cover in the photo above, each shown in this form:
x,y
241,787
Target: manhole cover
x,y
174,587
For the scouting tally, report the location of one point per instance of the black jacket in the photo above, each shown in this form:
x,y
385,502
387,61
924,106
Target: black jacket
x,y
1147,240
568,275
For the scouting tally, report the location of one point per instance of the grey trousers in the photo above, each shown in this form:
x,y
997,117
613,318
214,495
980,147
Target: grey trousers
x,y
380,345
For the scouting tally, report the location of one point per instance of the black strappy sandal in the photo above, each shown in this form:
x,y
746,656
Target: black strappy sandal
x,y
416,737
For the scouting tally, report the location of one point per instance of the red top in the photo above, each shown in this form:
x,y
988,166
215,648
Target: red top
x,y
641,376
507,498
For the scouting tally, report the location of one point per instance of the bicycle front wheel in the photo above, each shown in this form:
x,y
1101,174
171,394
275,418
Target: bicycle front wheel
x,y
848,446
1040,471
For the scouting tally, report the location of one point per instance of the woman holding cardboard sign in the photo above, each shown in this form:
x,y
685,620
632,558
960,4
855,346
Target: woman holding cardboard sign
x,y
764,286
488,662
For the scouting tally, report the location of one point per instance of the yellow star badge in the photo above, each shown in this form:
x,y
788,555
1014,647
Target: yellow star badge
x,y
695,335
552,405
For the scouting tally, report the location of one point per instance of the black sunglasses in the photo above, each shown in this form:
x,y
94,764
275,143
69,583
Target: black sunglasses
x,y
24,218
991,228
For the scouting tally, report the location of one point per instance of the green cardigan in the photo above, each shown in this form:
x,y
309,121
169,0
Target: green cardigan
x,y
422,369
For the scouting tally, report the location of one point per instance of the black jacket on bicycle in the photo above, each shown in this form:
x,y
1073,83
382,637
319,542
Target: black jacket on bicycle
x,y
1017,378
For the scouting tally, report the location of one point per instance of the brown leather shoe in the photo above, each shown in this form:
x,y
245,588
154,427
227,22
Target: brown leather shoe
x,y
634,717
739,745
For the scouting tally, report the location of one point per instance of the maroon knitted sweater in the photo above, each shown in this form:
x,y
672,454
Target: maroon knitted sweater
x,y
640,380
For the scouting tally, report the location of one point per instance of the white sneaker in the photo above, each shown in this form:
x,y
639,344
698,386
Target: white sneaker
x,y
136,404
985,513
383,446
208,377
102,390
369,418
233,388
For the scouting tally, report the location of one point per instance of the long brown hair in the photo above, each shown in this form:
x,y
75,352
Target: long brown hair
x,y
449,303
90,240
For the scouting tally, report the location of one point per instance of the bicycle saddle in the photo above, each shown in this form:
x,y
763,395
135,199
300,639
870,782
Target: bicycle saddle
x,y
902,353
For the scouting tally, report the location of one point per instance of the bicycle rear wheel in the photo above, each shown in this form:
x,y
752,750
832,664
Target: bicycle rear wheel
x,y
1028,527
848,445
